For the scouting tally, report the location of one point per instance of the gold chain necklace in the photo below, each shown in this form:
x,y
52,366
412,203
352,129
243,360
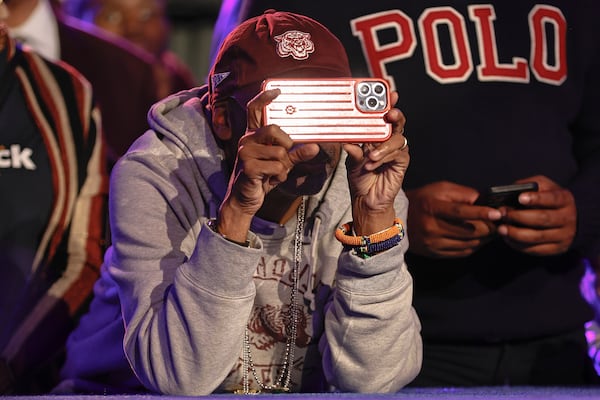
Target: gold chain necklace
x,y
282,383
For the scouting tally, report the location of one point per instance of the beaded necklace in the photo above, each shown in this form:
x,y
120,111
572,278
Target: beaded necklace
x,y
282,383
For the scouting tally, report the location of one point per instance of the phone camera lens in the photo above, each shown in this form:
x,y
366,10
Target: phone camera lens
x,y
372,103
378,88
364,89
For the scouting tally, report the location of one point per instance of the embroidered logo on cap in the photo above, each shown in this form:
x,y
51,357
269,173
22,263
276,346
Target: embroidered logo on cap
x,y
294,43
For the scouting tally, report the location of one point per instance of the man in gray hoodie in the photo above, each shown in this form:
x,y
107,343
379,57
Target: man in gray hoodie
x,y
229,269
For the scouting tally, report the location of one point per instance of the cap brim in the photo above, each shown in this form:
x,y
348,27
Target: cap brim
x,y
244,94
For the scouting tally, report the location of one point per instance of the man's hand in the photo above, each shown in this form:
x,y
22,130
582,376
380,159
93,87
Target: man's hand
x,y
547,225
375,175
443,223
265,156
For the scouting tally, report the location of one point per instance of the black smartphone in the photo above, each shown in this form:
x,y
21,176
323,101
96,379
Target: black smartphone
x,y
506,195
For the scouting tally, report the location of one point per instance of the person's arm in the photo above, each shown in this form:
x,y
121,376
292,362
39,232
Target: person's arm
x,y
87,239
566,217
186,292
372,341
70,251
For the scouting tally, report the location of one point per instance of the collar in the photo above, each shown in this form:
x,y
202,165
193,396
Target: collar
x,y
40,31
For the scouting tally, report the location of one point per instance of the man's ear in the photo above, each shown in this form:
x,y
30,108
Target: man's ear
x,y
220,122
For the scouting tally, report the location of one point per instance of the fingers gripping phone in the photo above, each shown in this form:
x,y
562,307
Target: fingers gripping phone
x,y
349,110
508,195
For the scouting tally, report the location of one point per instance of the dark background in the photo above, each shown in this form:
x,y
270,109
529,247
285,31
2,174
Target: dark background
x,y
192,25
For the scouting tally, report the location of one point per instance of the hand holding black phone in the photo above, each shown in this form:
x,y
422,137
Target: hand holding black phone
x,y
507,195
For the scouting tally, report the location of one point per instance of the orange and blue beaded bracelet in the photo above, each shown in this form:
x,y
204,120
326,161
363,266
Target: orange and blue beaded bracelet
x,y
366,246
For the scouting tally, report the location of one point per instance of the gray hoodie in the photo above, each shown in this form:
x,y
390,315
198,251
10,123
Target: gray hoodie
x,y
187,294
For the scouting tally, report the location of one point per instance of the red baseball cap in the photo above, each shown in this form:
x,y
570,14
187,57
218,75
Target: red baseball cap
x,y
275,44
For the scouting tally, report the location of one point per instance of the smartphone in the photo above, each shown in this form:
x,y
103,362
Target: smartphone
x,y
349,110
507,195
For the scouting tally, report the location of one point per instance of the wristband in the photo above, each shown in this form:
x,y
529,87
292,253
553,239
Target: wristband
x,y
366,246
370,249
212,224
343,234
